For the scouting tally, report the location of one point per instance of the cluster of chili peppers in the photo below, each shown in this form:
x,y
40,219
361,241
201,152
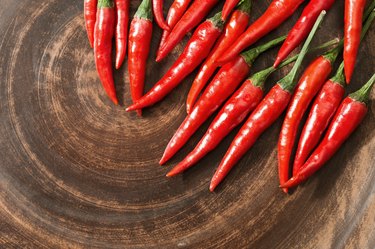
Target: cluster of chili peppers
x,y
218,43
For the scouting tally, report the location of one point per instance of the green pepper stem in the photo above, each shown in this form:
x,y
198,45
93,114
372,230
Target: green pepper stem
x,y
369,9
244,6
144,10
260,77
217,21
250,55
363,94
339,77
105,4
289,81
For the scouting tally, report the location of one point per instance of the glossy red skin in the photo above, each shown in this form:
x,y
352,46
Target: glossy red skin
x,y
121,34
235,110
176,11
194,53
264,115
276,14
140,35
229,5
104,29
347,118
322,111
157,7
90,19
352,34
308,86
302,27
235,27
221,87
192,17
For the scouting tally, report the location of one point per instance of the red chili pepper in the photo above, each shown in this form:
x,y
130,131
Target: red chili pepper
x,y
347,118
228,7
221,87
352,33
122,9
175,13
236,26
192,17
325,106
265,114
104,29
157,6
194,53
90,19
277,13
139,47
235,110
322,111
310,83
302,27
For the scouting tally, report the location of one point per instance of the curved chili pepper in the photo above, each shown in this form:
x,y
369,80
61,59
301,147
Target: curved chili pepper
x,y
309,84
194,53
157,6
221,87
192,17
277,13
104,29
90,18
324,107
122,9
264,115
229,5
235,110
175,13
139,47
302,27
352,33
322,111
236,26
347,118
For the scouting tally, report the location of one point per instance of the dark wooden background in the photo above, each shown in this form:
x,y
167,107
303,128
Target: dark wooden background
x,y
78,172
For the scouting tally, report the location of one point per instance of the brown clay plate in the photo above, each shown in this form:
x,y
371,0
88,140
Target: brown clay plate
x,y
78,172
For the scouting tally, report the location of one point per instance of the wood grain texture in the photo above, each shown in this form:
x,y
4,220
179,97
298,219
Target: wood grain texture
x,y
78,172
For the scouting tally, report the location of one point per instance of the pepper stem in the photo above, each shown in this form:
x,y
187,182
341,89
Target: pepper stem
x,y
369,9
217,21
368,22
144,10
363,94
289,81
105,4
339,77
245,6
250,55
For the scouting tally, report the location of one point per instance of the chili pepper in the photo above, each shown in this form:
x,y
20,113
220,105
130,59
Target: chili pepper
x,y
264,115
104,29
139,47
236,26
235,110
352,33
310,83
347,118
277,13
192,17
157,6
175,13
228,7
322,111
194,53
122,9
221,87
302,27
323,108
90,19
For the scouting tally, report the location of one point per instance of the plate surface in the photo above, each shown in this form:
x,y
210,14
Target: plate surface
x,y
78,172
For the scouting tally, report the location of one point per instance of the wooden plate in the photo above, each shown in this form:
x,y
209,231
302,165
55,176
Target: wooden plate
x,y
78,172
